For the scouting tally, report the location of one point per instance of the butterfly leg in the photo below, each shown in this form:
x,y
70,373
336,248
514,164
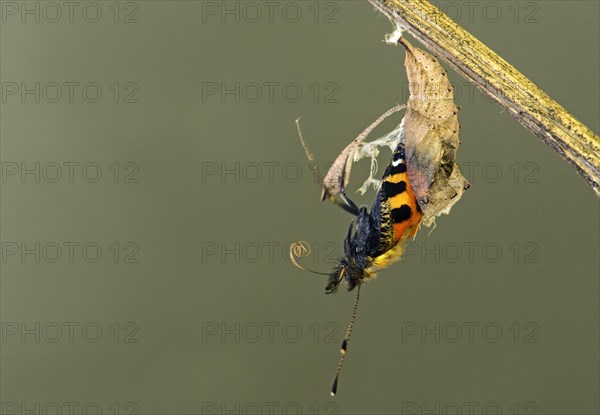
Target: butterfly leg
x,y
348,205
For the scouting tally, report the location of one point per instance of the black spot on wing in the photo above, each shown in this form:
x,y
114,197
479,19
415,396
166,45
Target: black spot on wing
x,y
401,214
397,155
392,189
400,168
399,150
391,170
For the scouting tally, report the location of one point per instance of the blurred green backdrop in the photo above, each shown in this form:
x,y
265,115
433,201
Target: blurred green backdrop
x,y
152,180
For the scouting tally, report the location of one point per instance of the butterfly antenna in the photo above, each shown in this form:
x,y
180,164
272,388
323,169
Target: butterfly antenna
x,y
344,347
312,164
302,249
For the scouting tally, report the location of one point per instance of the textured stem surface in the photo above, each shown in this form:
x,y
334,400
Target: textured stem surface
x,y
496,78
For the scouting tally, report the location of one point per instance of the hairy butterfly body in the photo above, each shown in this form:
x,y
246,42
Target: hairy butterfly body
x,y
376,238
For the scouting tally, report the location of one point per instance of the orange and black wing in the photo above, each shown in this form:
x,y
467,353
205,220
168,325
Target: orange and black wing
x,y
395,210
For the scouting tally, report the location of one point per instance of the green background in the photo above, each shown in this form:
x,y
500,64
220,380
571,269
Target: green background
x,y
179,322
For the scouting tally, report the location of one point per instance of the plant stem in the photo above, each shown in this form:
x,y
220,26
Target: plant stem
x,y
496,78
